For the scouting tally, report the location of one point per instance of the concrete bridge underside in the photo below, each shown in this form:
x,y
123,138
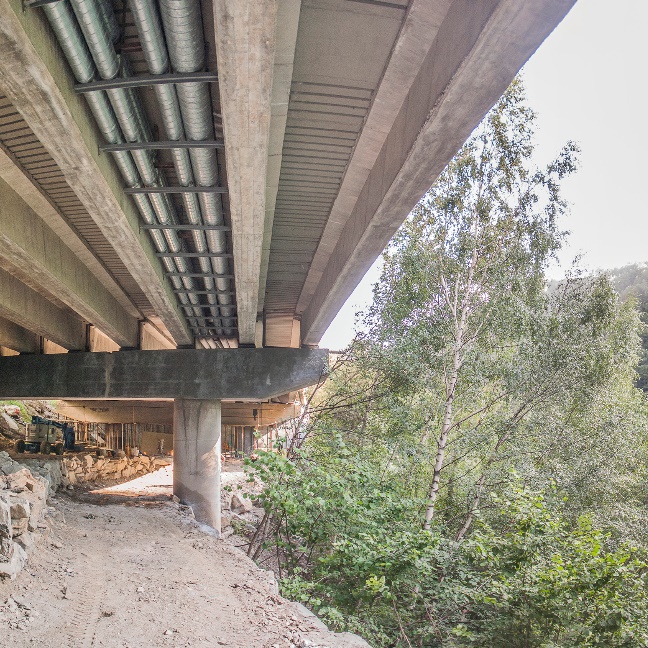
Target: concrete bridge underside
x,y
177,175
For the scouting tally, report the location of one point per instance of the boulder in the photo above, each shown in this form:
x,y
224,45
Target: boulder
x,y
14,562
5,517
240,504
8,422
20,507
17,477
26,541
19,526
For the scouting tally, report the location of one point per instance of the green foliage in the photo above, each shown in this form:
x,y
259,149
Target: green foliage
x,y
474,471
350,549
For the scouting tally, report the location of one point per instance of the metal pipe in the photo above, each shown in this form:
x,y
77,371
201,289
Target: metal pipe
x,y
116,112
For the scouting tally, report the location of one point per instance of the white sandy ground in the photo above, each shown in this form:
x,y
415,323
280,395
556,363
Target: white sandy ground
x,y
140,573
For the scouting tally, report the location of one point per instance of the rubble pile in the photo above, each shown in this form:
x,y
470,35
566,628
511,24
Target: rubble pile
x,y
86,468
239,515
23,502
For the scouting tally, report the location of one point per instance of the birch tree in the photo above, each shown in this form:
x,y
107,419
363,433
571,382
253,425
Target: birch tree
x,y
466,272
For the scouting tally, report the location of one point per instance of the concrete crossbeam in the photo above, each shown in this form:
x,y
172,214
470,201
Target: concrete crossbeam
x,y
245,40
35,79
255,374
31,311
17,338
53,269
473,53
161,411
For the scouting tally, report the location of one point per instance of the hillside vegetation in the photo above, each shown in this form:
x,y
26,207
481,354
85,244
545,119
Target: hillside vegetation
x,y
474,471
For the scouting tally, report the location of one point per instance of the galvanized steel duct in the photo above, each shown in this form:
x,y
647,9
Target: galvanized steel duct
x,y
122,110
207,208
185,41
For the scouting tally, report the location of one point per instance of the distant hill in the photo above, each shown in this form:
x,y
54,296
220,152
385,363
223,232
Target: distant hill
x,y
632,281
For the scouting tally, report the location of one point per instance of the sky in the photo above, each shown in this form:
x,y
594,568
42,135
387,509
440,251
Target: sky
x,y
587,83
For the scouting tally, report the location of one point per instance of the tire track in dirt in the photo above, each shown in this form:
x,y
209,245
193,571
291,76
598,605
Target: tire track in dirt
x,y
86,597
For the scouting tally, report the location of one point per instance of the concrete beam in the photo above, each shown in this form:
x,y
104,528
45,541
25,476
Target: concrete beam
x,y
473,55
237,374
18,338
50,267
286,41
29,190
34,77
31,311
161,412
245,43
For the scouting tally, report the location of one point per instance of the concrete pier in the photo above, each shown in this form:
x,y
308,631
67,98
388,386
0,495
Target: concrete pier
x,y
196,457
248,440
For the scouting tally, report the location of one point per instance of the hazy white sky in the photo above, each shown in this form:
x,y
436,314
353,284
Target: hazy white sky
x,y
587,83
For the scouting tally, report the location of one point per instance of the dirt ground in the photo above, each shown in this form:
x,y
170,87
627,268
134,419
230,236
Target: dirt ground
x,y
135,572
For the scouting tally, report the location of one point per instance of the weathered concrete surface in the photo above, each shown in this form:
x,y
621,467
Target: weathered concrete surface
x,y
23,184
421,27
53,269
34,77
31,311
17,338
196,458
286,38
161,412
254,374
245,49
477,51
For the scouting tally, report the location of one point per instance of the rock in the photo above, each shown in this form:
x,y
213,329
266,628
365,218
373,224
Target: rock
x,y
20,508
226,520
8,423
19,526
5,517
17,474
351,640
240,504
26,541
14,563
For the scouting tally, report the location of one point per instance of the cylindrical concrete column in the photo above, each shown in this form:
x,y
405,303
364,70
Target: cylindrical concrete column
x,y
196,457
248,440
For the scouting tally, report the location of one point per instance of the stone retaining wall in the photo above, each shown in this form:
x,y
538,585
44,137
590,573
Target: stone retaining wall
x,y
26,485
87,468
23,497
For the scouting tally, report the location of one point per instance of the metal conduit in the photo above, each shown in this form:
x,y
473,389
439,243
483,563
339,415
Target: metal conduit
x,y
196,125
98,29
149,27
185,41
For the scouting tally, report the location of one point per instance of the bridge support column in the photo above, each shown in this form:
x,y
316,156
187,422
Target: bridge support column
x,y
196,457
248,440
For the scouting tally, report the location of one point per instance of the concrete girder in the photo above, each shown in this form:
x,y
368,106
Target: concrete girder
x,y
25,186
17,338
254,374
28,243
35,79
161,412
30,310
286,41
472,56
245,42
